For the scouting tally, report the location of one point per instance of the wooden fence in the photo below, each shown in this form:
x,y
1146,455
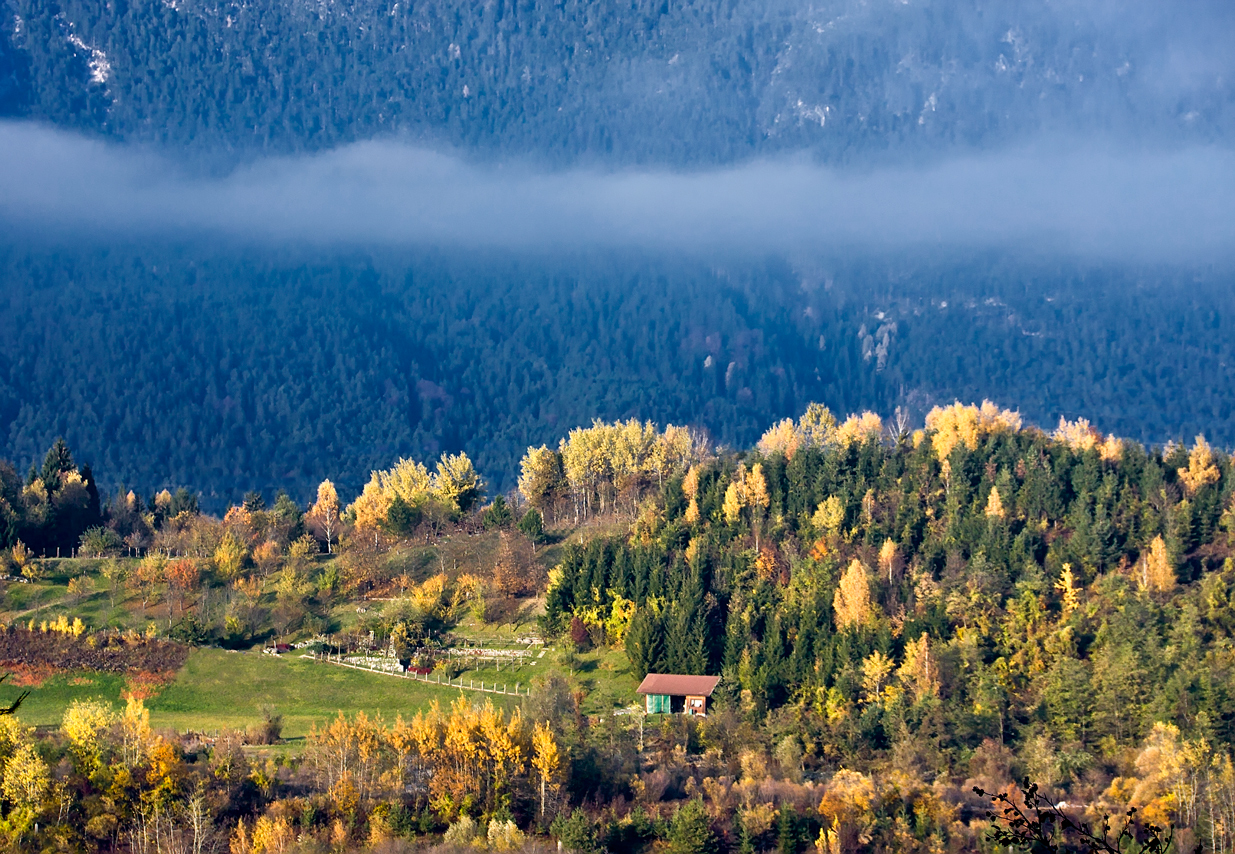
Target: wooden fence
x,y
516,690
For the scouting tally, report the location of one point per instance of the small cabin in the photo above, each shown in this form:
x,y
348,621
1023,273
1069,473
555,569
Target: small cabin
x,y
672,693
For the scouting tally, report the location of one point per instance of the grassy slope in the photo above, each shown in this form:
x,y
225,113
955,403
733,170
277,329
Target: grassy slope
x,y
218,689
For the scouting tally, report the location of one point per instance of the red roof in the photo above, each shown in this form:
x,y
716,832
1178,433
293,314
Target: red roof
x,y
677,685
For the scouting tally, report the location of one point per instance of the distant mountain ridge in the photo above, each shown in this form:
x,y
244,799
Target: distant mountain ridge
x,y
649,81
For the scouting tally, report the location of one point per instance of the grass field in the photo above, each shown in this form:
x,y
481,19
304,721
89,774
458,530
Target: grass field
x,y
217,689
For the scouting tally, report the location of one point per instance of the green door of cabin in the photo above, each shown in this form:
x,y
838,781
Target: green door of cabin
x,y
658,704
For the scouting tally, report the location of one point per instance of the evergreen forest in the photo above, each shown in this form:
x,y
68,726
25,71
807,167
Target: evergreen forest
x,y
680,83
226,371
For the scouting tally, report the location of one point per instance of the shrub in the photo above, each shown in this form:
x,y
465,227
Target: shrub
x,y
100,542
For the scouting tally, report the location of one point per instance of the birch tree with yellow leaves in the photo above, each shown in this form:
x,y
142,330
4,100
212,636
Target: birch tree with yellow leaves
x,y
324,514
851,606
547,760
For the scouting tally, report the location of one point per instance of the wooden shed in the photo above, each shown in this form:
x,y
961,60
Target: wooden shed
x,y
673,693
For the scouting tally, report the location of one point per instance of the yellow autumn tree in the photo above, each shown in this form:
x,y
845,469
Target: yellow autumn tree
x,y
83,724
403,742
1078,435
1112,449
847,810
456,483
325,513
735,496
1155,571
454,486
757,488
230,556
851,606
690,486
875,671
889,557
781,438
272,835
1066,585
12,736
541,480
431,596
918,673
857,429
828,517
26,781
817,426
994,505
585,462
136,736
671,452
1170,771
503,748
1202,468
349,755
959,424
757,499
546,759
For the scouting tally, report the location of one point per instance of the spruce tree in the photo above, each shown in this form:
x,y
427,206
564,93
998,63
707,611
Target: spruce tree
x,y
644,643
691,830
402,518
57,462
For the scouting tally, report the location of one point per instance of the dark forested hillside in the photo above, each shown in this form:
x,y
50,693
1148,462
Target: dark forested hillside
x,y
690,82
228,372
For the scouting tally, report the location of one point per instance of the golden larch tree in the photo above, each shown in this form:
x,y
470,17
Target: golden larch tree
x,y
735,496
781,438
817,426
919,672
1068,591
1078,435
851,605
690,486
859,428
1112,449
1202,468
1156,571
959,424
994,505
757,499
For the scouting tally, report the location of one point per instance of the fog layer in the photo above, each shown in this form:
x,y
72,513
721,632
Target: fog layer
x,y
1054,196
